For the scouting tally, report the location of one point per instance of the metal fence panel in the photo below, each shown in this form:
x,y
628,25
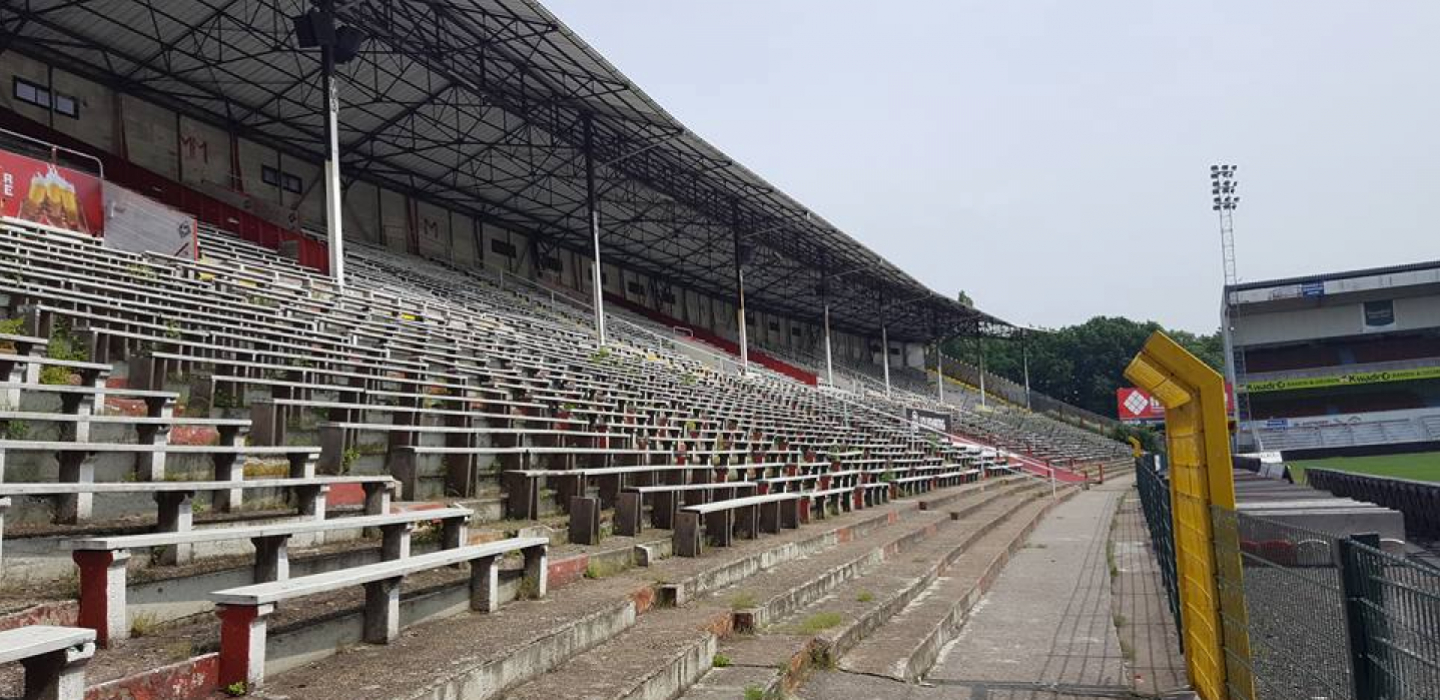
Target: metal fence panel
x,y
1327,617
1154,490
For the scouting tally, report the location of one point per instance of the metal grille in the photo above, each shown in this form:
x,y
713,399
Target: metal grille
x,y
1155,501
1326,617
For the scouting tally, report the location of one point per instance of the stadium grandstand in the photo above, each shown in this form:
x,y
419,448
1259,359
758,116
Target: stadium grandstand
x,y
258,409
1340,363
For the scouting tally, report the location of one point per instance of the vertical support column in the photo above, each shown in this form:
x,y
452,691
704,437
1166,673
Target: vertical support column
x,y
829,362
1025,364
335,237
940,369
740,298
980,350
593,209
885,355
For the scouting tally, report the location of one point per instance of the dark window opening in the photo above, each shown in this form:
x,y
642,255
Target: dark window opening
x,y
502,248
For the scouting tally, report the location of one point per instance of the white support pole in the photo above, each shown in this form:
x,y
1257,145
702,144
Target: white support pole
x,y
740,318
596,280
829,362
1025,361
940,370
980,343
335,238
885,356
596,273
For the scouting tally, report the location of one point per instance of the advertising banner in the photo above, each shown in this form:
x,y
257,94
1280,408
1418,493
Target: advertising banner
x,y
928,419
1134,405
1377,377
48,194
138,224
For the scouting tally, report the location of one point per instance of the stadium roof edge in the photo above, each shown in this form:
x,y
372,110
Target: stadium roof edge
x,y
1329,276
482,106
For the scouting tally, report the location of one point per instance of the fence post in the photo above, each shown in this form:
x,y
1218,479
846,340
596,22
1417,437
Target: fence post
x,y
1352,585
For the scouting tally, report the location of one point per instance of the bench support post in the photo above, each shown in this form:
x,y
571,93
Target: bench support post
x,y
484,585
176,515
272,558
242,644
395,541
75,468
584,520
537,568
377,498
59,675
102,594
686,536
382,610
628,514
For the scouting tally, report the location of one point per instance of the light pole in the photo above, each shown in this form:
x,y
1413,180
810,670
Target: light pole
x,y
1224,199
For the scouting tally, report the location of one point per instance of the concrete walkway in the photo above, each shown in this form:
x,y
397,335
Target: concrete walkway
x,y
1047,629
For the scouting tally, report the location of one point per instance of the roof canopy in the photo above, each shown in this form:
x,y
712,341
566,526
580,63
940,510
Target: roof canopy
x,y
490,107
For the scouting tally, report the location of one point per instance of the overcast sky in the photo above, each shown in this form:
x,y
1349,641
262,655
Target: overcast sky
x,y
1051,158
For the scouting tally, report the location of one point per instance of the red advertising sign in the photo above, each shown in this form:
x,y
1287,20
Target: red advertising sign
x,y
48,194
1134,405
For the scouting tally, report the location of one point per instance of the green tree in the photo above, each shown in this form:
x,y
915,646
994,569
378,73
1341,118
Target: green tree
x,y
1082,364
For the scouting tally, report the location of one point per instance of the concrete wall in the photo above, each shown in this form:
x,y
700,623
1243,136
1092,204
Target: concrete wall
x,y
1332,319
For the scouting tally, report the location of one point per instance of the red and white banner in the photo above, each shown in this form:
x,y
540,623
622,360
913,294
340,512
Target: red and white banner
x,y
1133,405
48,194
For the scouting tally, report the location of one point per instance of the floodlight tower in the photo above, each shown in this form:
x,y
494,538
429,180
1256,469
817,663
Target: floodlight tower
x,y
1224,199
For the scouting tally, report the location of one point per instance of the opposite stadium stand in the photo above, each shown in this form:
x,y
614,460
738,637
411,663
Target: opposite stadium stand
x,y
238,435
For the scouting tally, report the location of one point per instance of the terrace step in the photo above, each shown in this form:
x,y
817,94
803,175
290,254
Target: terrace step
x,y
670,649
905,648
523,640
824,629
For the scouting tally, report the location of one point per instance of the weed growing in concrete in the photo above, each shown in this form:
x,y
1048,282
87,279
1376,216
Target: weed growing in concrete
x,y
865,597
236,689
720,661
754,692
144,624
742,601
820,622
529,589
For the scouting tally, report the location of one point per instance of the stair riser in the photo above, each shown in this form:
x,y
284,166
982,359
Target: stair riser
x,y
924,655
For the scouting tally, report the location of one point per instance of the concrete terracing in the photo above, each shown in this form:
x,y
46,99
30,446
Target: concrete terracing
x,y
1046,630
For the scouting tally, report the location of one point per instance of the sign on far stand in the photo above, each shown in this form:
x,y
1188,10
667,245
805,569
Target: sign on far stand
x,y
139,224
48,194
1134,405
928,419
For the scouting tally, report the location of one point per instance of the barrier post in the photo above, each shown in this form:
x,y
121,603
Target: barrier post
x,y
1217,654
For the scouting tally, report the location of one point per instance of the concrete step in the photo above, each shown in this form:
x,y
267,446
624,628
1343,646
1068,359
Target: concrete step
x,y
482,656
669,649
815,634
908,645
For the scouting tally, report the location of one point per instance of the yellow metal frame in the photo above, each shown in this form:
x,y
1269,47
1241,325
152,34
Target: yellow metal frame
x,y
1197,435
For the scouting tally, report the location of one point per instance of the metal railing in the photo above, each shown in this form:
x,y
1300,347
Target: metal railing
x,y
1313,615
1154,487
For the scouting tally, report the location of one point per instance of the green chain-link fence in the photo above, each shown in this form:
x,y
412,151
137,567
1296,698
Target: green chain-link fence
x,y
1155,502
1328,617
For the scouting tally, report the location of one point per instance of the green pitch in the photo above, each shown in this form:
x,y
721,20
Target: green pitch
x,y
1421,466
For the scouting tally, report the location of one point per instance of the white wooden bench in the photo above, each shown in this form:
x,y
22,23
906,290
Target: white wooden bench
x,y
751,515
173,498
102,560
243,610
54,659
77,468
